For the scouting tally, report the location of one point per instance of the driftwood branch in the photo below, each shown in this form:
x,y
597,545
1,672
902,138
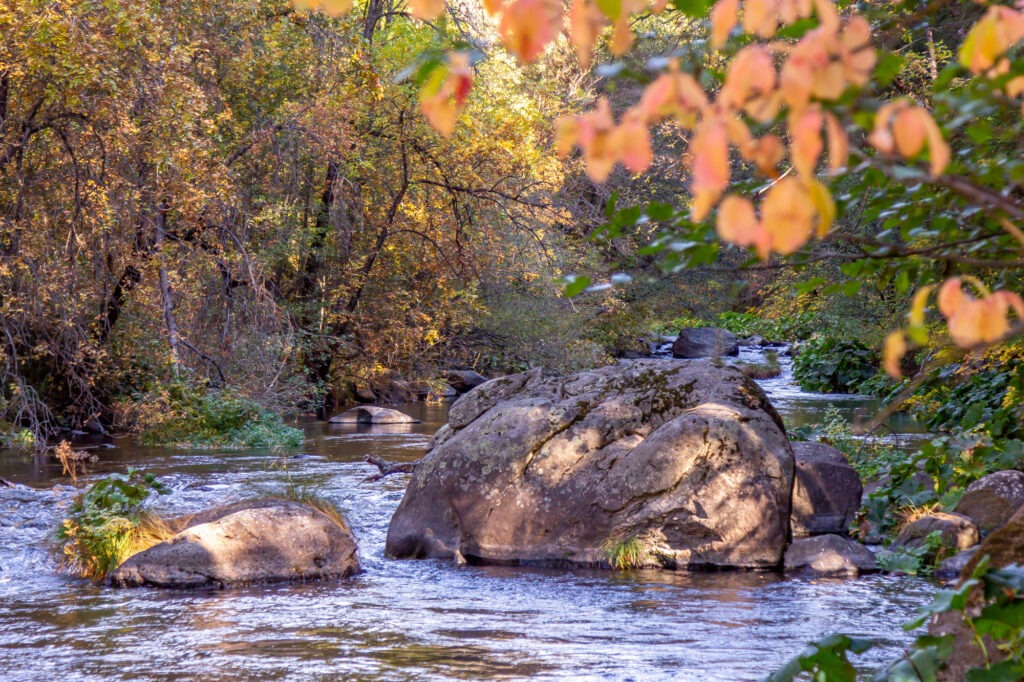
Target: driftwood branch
x,y
387,468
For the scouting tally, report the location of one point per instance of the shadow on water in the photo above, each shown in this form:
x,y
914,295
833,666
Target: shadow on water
x,y
400,620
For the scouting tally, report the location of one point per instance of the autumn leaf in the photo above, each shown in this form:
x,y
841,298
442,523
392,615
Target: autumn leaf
x,y
750,84
673,95
428,10
788,216
990,38
905,128
709,166
528,26
737,223
972,321
634,142
806,146
893,350
444,94
596,135
585,24
335,8
724,16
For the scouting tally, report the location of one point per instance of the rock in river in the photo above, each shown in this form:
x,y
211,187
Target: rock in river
x,y
687,458
830,555
992,500
705,342
827,492
367,414
248,542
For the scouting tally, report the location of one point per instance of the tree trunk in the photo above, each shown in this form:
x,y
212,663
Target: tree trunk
x,y
166,295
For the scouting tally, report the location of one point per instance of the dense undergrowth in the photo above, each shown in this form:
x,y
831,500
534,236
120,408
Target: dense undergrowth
x,y
186,415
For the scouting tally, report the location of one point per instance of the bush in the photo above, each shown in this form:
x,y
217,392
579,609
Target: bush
x,y
962,396
183,415
830,365
788,328
107,524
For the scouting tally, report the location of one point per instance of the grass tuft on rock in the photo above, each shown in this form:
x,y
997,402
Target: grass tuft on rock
x,y
107,524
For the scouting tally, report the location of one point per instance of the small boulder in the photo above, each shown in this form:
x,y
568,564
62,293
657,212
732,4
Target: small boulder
x,y
827,491
705,342
753,341
992,500
368,414
831,555
953,566
464,380
958,532
258,541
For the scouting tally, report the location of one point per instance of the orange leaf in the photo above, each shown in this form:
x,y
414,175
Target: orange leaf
x,y
750,83
634,142
991,37
857,55
427,10
806,147
673,94
788,215
892,354
736,222
724,16
760,17
527,26
622,36
838,143
599,141
709,166
585,23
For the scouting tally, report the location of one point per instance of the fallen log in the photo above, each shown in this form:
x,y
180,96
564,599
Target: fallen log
x,y
387,468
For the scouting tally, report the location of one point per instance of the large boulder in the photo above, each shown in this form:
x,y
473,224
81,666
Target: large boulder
x,y
992,500
250,542
705,342
827,492
368,414
956,531
830,555
1003,547
686,458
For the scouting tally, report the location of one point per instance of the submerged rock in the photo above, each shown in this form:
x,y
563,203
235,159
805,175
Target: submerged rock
x,y
958,532
992,500
705,342
827,492
831,555
368,414
249,542
686,458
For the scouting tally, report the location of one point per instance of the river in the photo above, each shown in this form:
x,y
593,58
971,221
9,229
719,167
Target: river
x,y
407,620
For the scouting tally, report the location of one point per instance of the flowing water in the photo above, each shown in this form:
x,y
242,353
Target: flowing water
x,y
406,620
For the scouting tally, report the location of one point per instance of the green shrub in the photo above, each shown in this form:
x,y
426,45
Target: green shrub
x,y
959,396
789,328
831,365
107,524
183,415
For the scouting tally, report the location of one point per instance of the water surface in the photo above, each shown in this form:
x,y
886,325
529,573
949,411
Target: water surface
x,y
404,620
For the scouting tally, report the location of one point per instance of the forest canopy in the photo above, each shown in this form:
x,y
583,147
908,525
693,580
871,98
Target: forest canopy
x,y
305,201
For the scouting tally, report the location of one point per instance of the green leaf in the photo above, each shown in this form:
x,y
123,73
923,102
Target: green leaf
x,y
888,67
698,9
575,284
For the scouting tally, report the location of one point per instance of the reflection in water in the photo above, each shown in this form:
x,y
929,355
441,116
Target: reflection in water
x,y
409,619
